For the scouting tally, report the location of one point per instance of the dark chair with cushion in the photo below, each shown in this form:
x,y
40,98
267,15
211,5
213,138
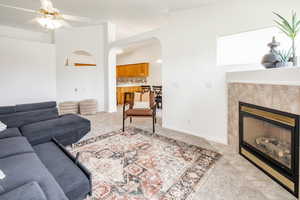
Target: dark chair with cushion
x,y
158,95
146,88
138,112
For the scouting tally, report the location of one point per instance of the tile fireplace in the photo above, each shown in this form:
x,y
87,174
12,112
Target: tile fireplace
x,y
269,139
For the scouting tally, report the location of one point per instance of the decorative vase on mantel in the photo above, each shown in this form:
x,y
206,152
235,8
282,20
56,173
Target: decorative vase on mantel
x,y
271,59
296,61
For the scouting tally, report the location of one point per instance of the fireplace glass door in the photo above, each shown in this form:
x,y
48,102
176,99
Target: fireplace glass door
x,y
269,139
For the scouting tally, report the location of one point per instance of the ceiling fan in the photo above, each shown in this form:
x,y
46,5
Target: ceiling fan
x,y
50,17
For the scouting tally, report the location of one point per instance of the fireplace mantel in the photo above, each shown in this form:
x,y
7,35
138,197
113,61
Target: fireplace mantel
x,y
276,76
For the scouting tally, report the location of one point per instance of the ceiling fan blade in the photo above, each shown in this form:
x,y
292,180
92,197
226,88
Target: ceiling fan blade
x,y
18,8
65,24
81,19
77,18
32,21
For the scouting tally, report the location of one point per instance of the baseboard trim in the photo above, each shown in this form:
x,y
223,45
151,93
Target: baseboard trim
x,y
172,128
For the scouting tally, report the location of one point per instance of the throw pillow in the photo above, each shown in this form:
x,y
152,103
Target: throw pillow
x,y
2,175
3,126
141,104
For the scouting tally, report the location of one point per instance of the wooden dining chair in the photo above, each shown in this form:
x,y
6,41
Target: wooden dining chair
x,y
146,88
158,95
131,111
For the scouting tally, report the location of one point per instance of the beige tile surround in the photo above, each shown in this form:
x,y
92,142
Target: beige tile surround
x,y
280,97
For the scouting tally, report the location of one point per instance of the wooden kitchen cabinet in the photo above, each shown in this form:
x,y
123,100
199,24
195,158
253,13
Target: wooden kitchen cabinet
x,y
122,71
122,90
133,70
144,69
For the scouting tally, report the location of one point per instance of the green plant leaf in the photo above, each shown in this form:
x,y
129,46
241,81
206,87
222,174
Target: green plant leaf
x,y
281,26
284,31
294,20
284,21
291,29
283,55
297,26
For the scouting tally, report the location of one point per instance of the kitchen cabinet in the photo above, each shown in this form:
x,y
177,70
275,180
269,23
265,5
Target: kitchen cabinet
x,y
133,70
122,90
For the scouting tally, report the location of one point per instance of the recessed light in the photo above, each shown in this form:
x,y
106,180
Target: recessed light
x,y
119,51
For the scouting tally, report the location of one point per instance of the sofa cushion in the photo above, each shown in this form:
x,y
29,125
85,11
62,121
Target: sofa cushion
x,y
14,146
23,168
29,191
19,119
35,106
10,132
71,179
7,109
60,128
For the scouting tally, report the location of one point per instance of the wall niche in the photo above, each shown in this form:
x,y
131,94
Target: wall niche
x,y
80,58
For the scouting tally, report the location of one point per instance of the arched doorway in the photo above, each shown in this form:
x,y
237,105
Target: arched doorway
x,y
148,50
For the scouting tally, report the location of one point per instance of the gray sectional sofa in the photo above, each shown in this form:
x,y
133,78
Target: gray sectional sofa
x,y
35,164
40,122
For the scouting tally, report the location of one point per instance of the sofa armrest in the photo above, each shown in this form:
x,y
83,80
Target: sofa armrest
x,y
29,191
10,132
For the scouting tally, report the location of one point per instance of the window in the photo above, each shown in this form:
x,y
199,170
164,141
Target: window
x,y
249,47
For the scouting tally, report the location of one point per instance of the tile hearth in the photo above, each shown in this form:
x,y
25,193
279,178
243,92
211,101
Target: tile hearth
x,y
231,178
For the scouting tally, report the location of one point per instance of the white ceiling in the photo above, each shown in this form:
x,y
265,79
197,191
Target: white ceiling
x,y
130,16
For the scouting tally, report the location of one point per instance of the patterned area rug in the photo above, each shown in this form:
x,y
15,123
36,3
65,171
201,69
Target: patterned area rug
x,y
137,165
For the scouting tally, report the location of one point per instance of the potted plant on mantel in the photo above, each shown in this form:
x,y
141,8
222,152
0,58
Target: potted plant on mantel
x,y
284,58
291,29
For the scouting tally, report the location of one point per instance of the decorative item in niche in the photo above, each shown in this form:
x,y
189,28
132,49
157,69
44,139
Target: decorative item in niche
x,y
271,59
80,58
290,29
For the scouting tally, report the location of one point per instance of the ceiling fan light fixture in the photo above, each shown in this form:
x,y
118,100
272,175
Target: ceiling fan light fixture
x,y
159,61
49,17
49,23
